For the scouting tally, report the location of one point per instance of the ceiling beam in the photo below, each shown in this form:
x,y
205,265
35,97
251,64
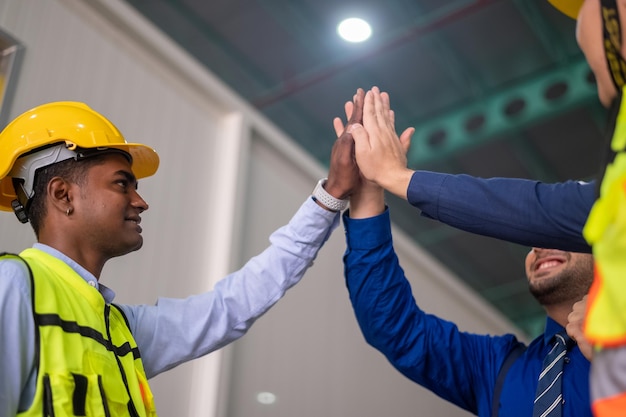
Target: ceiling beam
x,y
524,104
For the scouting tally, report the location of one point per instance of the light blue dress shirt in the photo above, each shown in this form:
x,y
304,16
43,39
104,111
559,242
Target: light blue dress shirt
x,y
199,324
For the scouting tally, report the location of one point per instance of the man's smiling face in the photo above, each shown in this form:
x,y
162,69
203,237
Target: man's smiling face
x,y
556,276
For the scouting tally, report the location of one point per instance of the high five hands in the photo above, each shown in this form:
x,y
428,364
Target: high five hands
x,y
378,154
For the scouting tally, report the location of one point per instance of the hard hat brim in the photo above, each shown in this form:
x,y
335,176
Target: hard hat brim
x,y
145,163
145,159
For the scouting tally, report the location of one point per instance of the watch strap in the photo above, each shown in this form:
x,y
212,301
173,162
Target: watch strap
x,y
327,200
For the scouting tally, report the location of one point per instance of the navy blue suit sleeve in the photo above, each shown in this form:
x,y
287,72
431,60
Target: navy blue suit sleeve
x,y
458,366
522,211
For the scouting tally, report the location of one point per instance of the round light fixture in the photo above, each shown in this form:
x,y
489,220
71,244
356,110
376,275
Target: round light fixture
x,y
354,30
266,398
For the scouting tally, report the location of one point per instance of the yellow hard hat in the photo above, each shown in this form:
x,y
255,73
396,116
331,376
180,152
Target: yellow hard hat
x,y
72,123
568,7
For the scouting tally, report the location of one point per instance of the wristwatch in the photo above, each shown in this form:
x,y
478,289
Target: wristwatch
x,y
327,200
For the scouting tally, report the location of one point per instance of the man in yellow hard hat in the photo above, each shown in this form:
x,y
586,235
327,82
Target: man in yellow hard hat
x,y
65,348
564,216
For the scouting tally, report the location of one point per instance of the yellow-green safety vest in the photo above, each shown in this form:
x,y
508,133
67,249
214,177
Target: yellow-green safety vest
x,y
605,320
605,230
88,363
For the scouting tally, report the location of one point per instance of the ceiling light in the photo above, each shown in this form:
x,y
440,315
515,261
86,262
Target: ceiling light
x,y
266,398
354,29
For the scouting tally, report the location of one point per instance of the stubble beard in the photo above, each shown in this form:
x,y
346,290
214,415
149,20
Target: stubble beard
x,y
568,285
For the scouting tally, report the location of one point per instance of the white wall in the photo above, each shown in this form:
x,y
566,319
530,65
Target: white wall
x,y
71,53
227,179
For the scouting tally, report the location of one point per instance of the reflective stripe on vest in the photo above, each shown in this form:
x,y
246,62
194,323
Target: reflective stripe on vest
x,y
608,387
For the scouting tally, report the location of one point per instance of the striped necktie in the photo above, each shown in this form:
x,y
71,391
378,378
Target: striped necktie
x,y
549,398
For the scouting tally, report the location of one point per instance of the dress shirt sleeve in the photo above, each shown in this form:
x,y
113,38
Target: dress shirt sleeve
x,y
17,344
458,366
177,330
522,211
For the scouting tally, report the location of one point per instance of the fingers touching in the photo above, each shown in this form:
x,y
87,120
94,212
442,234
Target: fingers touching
x,y
343,175
379,155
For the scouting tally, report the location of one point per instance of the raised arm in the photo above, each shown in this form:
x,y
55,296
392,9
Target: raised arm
x,y
527,212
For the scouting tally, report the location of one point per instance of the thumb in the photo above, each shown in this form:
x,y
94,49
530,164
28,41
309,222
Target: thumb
x,y
338,126
405,138
358,132
361,139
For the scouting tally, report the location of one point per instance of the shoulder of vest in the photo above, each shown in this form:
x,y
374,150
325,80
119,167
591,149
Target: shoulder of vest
x,y
119,310
31,279
9,255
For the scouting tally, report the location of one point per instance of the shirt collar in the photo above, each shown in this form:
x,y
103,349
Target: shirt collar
x,y
552,328
107,293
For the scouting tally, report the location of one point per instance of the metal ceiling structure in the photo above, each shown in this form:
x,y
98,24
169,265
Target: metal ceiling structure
x,y
493,87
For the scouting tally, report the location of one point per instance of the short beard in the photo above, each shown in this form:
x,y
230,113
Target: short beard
x,y
570,285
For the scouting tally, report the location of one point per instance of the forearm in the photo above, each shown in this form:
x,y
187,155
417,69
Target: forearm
x,y
426,349
522,211
206,322
367,201
396,181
